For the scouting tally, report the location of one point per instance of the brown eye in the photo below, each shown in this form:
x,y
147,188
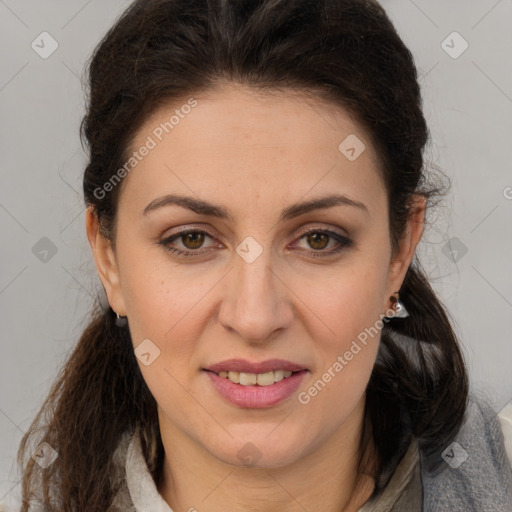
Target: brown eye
x,y
193,240
318,240
190,240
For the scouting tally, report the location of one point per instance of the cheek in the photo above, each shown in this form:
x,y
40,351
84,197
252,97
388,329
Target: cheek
x,y
160,301
343,312
164,307
342,302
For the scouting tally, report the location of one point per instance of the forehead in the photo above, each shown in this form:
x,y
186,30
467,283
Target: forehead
x,y
269,117
238,139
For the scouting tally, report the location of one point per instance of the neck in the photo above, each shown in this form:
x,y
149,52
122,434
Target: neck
x,y
330,478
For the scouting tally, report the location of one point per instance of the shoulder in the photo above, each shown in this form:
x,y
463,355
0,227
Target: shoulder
x,y
476,475
482,421
488,435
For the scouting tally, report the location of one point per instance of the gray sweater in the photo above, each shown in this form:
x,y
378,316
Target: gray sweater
x,y
476,475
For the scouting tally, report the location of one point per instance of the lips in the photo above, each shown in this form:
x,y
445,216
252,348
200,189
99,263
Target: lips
x,y
255,396
245,366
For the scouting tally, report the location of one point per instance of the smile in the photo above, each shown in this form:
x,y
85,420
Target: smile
x,y
256,390
260,379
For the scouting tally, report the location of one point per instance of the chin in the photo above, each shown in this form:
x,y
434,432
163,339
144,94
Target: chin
x,y
259,452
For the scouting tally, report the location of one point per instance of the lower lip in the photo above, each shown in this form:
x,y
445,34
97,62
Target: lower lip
x,y
256,397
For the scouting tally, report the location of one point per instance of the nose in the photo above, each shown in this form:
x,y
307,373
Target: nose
x,y
256,301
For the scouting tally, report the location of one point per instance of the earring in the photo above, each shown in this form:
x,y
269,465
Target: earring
x,y
398,306
120,320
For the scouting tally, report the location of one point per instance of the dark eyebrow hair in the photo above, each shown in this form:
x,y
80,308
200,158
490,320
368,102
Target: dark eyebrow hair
x,y
204,208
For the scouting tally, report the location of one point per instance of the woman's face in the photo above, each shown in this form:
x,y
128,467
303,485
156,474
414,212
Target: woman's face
x,y
251,283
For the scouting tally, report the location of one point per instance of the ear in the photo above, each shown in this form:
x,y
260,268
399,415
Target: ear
x,y
407,247
105,260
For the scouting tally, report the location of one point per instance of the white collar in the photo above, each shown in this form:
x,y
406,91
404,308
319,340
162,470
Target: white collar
x,y
142,488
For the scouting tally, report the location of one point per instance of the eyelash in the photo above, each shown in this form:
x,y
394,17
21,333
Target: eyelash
x,y
343,241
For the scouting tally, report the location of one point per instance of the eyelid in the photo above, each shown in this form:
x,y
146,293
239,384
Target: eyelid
x,y
187,229
331,229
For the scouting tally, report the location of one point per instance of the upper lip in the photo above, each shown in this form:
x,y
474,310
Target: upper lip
x,y
243,365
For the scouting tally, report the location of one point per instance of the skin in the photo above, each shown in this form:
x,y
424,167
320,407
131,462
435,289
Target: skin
x,y
255,154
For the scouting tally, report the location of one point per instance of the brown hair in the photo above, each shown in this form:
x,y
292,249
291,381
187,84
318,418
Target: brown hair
x,y
345,51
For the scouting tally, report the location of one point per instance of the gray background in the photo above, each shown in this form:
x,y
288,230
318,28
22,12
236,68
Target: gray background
x,y
45,298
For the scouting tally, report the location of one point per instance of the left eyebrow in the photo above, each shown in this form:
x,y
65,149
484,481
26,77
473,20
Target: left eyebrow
x,y
202,207
321,203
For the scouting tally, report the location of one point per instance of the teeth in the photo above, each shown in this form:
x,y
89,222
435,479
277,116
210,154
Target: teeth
x,y
251,379
233,376
247,379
